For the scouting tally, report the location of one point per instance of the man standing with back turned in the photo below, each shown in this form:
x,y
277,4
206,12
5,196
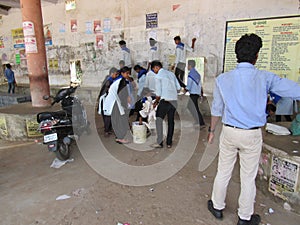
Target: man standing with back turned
x,y
240,99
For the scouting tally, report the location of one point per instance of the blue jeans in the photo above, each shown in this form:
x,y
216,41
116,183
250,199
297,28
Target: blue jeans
x,y
11,88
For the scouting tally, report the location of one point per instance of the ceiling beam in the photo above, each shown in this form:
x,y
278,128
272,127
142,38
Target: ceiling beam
x,y
10,3
3,12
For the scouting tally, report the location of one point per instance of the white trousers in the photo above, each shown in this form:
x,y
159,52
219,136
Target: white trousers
x,y
248,144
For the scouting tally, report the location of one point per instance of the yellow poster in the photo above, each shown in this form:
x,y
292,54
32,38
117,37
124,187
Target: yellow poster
x,y
50,65
32,126
1,42
55,64
18,38
281,44
3,127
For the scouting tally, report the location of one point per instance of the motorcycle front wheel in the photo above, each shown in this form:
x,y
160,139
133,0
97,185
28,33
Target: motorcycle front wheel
x,y
63,152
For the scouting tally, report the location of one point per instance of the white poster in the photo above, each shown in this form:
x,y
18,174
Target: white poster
x,y
28,28
284,176
30,45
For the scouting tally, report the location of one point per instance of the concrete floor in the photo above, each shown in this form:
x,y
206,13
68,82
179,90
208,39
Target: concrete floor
x,y
29,187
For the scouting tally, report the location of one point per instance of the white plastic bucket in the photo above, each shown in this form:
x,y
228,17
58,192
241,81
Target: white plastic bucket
x,y
139,133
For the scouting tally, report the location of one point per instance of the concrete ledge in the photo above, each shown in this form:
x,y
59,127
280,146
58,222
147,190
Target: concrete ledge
x,y
18,122
278,175
10,99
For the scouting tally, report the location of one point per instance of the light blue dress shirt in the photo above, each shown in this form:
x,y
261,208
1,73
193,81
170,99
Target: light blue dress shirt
x,y
150,80
240,95
126,56
141,85
166,85
180,53
192,86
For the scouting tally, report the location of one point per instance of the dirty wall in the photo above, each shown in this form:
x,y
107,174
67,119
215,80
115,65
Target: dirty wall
x,y
126,19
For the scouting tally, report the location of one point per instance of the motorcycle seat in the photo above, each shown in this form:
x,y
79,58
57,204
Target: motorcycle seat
x,y
50,115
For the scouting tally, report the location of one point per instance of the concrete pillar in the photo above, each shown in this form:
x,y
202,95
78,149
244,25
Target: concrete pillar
x,y
36,62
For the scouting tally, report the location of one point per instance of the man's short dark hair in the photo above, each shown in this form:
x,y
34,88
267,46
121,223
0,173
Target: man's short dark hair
x,y
124,69
192,63
122,42
152,42
156,63
177,38
247,47
137,67
121,62
8,66
113,70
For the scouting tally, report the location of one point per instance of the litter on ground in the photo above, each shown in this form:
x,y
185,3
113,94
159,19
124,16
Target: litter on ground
x,y
62,197
58,163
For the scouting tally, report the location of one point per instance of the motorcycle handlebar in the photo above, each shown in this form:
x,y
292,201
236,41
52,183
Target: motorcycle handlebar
x,y
63,93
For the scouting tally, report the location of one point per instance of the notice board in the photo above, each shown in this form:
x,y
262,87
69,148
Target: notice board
x,y
280,53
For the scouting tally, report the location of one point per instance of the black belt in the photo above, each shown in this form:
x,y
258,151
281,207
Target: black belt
x,y
252,128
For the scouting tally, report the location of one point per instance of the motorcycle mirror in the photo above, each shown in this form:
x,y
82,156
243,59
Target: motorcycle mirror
x,y
46,97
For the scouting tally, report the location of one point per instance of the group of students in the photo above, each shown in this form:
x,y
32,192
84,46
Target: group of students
x,y
118,101
241,126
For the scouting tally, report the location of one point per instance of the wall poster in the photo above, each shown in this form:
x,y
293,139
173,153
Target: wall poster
x,y
99,41
73,25
28,28
18,38
32,128
151,20
30,45
3,127
281,44
107,25
284,176
88,27
97,26
48,34
1,42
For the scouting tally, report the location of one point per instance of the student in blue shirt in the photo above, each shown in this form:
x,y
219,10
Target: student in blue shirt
x,y
194,88
153,52
180,59
125,54
240,100
113,73
10,76
166,87
117,104
141,78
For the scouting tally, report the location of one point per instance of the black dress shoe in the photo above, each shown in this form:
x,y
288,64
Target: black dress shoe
x,y
216,212
255,220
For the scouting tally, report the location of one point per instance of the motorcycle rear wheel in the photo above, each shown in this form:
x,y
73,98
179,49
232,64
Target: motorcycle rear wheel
x,y
63,152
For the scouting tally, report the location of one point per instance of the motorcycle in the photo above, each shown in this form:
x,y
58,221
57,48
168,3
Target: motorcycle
x,y
61,127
